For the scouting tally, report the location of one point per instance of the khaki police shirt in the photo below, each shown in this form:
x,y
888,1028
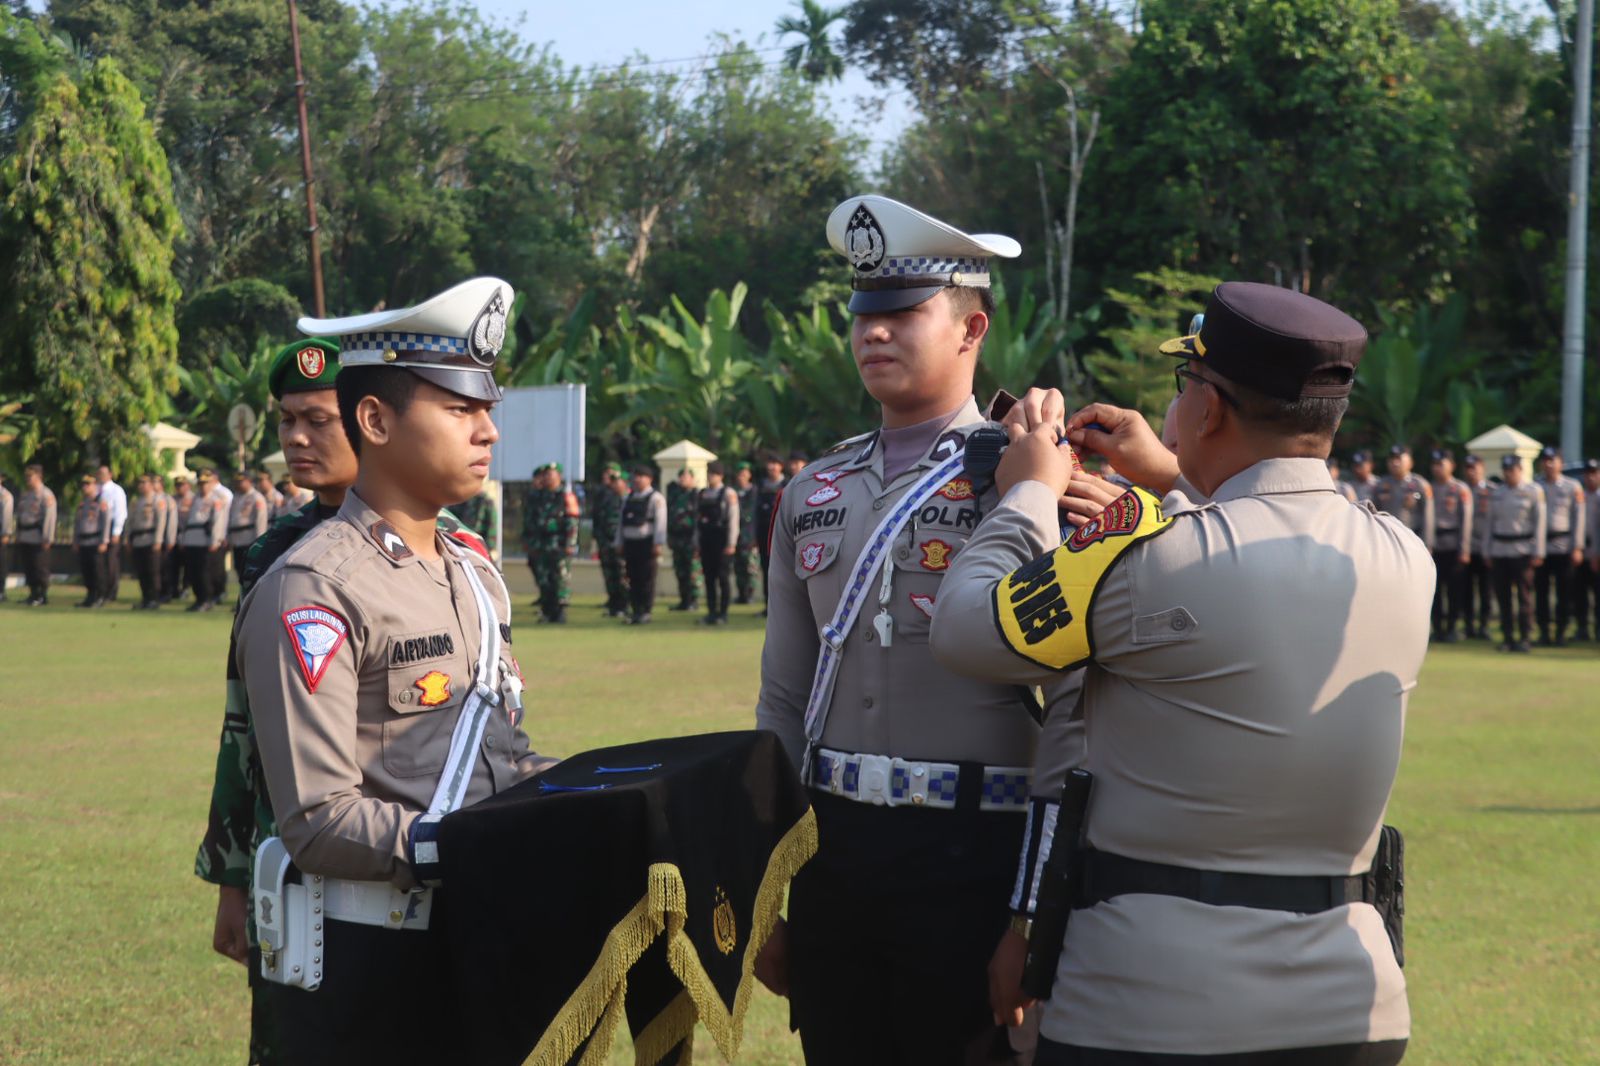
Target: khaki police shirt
x,y
1347,490
248,516
1514,522
1592,526
1409,499
1245,702
1564,515
1365,488
8,522
1452,516
36,517
893,700
147,521
91,525
353,741
205,524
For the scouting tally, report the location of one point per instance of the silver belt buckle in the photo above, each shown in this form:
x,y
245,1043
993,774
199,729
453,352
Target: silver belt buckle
x,y
873,780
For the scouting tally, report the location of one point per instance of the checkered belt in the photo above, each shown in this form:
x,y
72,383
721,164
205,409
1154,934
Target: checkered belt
x,y
885,780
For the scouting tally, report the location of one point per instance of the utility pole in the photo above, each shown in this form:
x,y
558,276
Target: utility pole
x,y
1577,239
305,166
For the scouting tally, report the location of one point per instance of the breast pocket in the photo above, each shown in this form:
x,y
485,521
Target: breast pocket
x,y
816,552
428,677
922,555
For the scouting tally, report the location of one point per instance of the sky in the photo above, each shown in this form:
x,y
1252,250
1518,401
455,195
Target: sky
x,y
606,33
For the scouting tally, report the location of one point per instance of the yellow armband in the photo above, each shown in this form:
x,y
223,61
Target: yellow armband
x,y
1042,609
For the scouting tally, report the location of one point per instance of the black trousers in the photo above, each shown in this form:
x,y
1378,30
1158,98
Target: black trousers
x,y
92,564
113,571
719,578
197,561
383,999
35,562
147,568
217,573
1554,580
891,927
764,542
5,566
1377,1053
1449,591
1478,593
1513,579
174,572
1586,599
639,557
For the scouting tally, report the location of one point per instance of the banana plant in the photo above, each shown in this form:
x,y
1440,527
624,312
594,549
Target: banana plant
x,y
207,395
808,392
1023,338
1419,382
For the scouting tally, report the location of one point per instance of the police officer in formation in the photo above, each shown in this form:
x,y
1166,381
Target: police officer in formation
x,y
262,480
1478,586
175,572
1586,598
605,514
249,514
768,490
36,533
744,555
149,515
683,523
717,535
641,534
1405,495
920,779
357,651
116,500
1452,540
1514,540
1564,537
1361,477
8,530
1242,744
550,537
91,536
1341,486
202,538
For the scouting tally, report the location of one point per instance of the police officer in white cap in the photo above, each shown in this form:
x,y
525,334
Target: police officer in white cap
x,y
376,658
920,779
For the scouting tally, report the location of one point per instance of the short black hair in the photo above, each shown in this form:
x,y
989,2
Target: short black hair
x,y
714,467
1308,416
965,299
644,470
394,386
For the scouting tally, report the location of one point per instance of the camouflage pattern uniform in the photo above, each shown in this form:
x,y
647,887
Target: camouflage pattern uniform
x,y
478,514
550,537
745,557
606,514
683,515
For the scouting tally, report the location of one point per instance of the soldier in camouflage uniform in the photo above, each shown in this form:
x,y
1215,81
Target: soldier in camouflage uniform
x,y
606,514
550,536
745,556
321,459
683,513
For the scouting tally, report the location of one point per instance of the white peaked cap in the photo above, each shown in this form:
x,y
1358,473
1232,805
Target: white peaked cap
x,y
901,257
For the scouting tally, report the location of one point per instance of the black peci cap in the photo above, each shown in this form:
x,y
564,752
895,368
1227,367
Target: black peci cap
x,y
1275,341
1509,460
1549,451
1441,455
1398,450
1357,458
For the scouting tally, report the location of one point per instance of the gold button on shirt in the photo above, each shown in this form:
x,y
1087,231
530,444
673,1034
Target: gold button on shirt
x,y
358,659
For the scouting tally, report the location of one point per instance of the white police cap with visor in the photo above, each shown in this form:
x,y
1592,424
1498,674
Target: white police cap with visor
x,y
450,340
901,257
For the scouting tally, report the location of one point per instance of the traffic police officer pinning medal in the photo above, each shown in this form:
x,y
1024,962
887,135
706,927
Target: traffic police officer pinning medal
x,y
919,778
1251,642
377,660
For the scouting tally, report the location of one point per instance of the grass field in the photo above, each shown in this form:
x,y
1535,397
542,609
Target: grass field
x,y
108,727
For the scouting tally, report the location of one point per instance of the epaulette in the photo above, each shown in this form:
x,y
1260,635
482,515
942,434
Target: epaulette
x,y
847,444
328,550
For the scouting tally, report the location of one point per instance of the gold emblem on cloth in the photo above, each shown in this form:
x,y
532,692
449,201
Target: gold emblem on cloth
x,y
723,924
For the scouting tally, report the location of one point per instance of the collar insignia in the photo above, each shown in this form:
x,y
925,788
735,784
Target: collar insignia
x,y
389,539
948,444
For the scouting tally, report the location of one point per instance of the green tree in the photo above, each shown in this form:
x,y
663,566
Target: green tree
x,y
212,391
237,316
1291,143
87,296
1127,369
813,54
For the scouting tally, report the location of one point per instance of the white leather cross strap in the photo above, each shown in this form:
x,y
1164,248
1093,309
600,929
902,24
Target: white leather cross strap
x,y
481,701
848,610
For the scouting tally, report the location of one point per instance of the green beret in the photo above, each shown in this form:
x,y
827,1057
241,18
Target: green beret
x,y
303,366
614,468
741,465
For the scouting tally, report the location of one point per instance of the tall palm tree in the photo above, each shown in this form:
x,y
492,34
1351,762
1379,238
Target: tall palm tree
x,y
813,55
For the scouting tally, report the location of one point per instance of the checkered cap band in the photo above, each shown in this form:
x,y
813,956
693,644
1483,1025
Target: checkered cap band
x,y
924,265
407,342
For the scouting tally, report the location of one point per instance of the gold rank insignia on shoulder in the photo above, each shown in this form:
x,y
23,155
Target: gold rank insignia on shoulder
x,y
1042,609
724,925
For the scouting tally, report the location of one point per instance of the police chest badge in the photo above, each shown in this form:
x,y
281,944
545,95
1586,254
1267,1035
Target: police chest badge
x,y
823,495
811,555
311,362
936,554
315,633
957,489
864,239
435,688
922,603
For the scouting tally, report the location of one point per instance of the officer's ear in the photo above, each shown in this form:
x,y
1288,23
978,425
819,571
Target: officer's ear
x,y
375,419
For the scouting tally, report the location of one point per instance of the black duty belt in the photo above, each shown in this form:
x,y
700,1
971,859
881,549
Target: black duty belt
x,y
1106,876
1514,536
26,525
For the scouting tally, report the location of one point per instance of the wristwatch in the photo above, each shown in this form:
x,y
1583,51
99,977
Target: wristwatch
x,y
1022,925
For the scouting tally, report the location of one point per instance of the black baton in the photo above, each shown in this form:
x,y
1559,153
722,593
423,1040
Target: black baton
x,y
1057,887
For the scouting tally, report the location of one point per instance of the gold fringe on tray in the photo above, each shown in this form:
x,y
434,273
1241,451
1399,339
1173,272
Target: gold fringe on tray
x,y
596,1006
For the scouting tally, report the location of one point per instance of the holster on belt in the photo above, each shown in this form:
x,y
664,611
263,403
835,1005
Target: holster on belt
x,y
289,918
1386,882
1057,887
